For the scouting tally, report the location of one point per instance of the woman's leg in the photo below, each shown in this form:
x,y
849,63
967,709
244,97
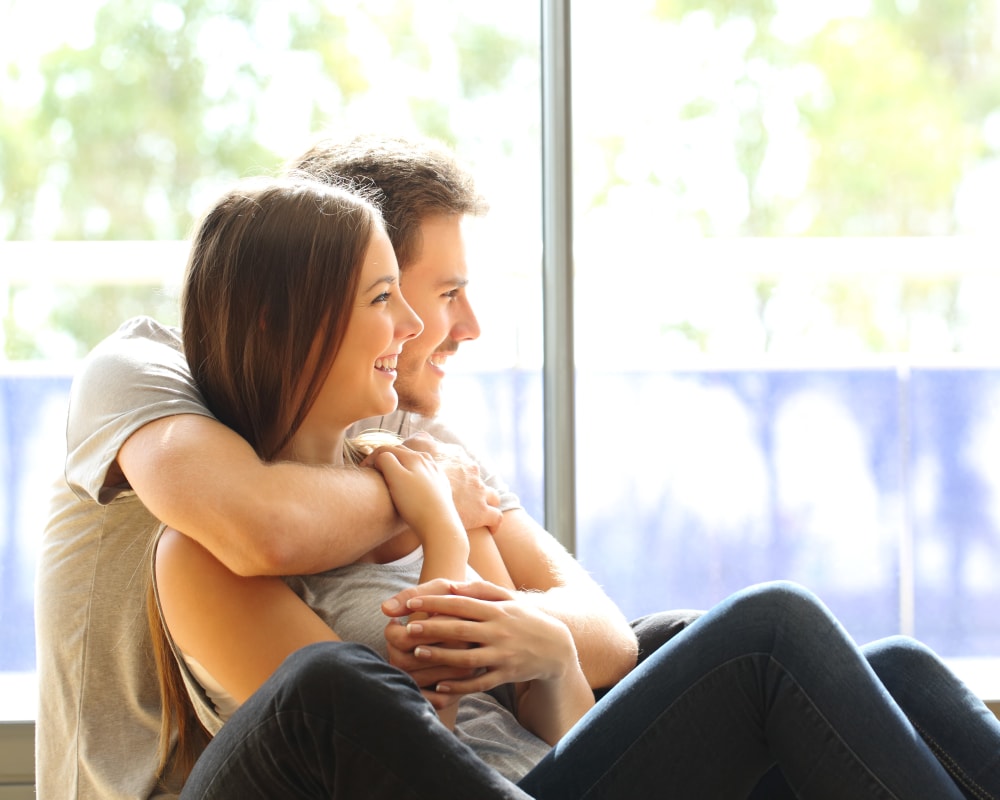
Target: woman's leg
x,y
336,721
957,725
767,676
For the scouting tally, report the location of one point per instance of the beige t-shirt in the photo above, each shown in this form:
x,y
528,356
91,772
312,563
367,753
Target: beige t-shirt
x,y
99,710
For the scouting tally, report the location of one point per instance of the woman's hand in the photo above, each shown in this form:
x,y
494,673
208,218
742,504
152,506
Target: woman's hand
x,y
420,489
510,641
422,495
478,504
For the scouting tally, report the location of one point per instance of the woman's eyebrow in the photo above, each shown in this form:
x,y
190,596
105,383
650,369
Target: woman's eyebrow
x,y
390,279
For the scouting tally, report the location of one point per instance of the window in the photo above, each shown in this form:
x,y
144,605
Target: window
x,y
123,120
785,279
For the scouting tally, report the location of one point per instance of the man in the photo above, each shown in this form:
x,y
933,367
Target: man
x,y
142,448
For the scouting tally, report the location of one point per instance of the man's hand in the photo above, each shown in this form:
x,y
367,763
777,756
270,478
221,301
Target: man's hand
x,y
478,505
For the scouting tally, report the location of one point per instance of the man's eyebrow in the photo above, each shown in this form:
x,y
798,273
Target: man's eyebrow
x,y
456,283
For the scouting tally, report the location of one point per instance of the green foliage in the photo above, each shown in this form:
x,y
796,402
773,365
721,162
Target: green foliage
x,y
760,11
93,312
890,141
486,57
130,130
143,119
888,108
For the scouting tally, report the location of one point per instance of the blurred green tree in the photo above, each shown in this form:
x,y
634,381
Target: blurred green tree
x,y
131,135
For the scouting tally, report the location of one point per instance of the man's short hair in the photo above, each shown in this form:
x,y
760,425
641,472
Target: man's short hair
x,y
409,179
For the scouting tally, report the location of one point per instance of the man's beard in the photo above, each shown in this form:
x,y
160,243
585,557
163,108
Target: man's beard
x,y
414,401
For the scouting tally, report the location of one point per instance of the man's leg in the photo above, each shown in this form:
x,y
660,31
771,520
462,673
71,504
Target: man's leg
x,y
766,676
337,721
655,630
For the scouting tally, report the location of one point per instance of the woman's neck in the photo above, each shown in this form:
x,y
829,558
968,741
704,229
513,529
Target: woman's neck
x,y
315,447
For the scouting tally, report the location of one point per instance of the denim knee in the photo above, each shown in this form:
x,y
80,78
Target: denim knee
x,y
900,662
902,651
784,602
326,671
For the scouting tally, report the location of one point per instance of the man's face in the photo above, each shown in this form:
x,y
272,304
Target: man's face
x,y
434,286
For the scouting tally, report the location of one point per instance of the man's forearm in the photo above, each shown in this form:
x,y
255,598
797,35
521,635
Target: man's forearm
x,y
605,644
199,477
556,583
306,519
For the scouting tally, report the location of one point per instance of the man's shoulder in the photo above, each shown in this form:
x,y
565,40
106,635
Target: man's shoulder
x,y
139,345
140,335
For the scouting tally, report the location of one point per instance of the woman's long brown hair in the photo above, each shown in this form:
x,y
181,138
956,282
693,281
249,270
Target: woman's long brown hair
x,y
274,267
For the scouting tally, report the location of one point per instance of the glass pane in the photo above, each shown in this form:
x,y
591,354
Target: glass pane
x,y
784,287
120,121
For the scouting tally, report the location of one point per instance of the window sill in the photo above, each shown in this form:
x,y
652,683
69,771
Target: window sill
x,y
18,695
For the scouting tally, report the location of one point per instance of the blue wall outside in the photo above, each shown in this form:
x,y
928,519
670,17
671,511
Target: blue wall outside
x,y
835,478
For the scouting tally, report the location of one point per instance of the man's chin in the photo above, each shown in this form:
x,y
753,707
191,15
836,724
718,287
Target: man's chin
x,y
425,404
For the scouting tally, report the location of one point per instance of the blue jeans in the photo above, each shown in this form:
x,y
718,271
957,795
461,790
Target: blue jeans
x,y
767,677
335,720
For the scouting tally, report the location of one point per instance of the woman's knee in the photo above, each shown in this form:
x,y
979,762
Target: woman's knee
x,y
897,658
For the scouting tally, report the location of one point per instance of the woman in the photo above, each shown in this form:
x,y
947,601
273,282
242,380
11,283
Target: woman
x,y
292,323
766,677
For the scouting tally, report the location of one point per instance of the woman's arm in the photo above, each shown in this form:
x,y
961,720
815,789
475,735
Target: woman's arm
x,y
485,559
422,496
239,629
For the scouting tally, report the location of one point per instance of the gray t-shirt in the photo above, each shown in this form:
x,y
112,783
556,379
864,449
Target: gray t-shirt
x,y
99,710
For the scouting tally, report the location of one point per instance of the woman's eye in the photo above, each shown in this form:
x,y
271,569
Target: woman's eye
x,y
382,298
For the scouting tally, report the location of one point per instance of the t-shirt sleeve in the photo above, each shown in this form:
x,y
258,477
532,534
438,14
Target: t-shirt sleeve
x,y
135,376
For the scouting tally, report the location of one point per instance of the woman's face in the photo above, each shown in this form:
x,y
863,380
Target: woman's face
x,y
360,381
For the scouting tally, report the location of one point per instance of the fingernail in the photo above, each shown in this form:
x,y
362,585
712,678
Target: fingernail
x,y
442,688
392,604
414,627
422,652
415,602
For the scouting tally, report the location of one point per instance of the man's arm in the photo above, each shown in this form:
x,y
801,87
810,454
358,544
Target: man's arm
x,y
553,581
198,476
550,578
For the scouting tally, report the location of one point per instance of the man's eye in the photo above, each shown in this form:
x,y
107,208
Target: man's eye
x,y
451,295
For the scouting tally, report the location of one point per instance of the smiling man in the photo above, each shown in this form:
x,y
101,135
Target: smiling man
x,y
435,287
